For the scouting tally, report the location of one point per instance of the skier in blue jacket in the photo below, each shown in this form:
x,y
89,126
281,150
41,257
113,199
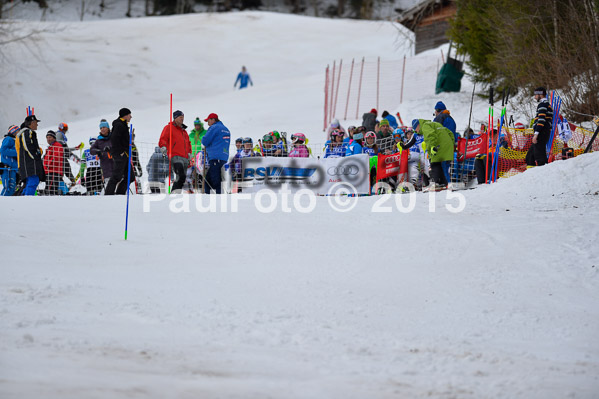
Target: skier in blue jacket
x,y
243,78
8,156
217,142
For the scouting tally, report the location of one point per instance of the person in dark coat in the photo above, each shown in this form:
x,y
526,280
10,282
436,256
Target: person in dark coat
x,y
120,154
31,167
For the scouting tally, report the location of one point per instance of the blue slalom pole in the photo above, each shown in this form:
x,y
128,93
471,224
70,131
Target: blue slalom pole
x,y
555,119
128,178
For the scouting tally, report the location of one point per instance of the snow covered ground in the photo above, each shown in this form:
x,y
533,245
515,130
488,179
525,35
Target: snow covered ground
x,y
497,301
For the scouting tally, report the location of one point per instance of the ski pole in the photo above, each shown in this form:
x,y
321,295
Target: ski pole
x,y
170,140
497,146
128,179
467,133
489,132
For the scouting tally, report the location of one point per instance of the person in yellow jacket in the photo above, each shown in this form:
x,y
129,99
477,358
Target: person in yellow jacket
x,y
440,144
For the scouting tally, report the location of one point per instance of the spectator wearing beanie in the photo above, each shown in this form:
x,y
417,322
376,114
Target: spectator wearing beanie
x,y
384,137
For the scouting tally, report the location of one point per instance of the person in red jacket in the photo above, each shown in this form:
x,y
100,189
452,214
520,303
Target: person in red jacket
x,y
53,164
174,141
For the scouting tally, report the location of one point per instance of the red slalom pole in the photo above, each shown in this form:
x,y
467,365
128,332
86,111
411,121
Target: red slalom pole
x,y
170,144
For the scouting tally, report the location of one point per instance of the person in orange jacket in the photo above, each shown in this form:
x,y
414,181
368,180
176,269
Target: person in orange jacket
x,y
174,142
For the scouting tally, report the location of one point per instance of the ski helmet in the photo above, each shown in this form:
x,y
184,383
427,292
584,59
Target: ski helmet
x,y
336,133
63,127
247,140
368,135
239,140
298,138
267,137
519,125
92,140
398,133
276,134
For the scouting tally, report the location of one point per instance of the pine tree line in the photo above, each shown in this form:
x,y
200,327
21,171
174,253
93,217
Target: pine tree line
x,y
360,9
524,44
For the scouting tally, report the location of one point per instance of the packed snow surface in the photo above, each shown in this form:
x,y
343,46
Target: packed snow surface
x,y
498,300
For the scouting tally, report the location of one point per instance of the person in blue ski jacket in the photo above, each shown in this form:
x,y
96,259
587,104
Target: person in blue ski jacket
x,y
93,172
336,148
8,156
391,119
355,146
243,78
217,142
443,117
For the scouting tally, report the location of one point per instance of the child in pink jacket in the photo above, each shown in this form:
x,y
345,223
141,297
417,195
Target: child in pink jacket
x,y
299,147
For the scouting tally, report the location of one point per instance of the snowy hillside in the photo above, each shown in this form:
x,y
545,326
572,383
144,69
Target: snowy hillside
x,y
88,71
498,300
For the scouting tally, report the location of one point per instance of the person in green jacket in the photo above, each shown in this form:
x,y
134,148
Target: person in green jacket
x,y
195,137
440,143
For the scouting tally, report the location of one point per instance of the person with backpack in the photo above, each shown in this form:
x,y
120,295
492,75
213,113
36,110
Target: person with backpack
x,y
369,121
10,165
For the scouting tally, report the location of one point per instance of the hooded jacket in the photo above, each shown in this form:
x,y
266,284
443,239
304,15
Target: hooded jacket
x,y
435,135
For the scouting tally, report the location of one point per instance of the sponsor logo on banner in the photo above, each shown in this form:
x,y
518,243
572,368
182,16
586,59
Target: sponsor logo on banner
x,y
392,165
318,175
349,170
280,173
475,146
